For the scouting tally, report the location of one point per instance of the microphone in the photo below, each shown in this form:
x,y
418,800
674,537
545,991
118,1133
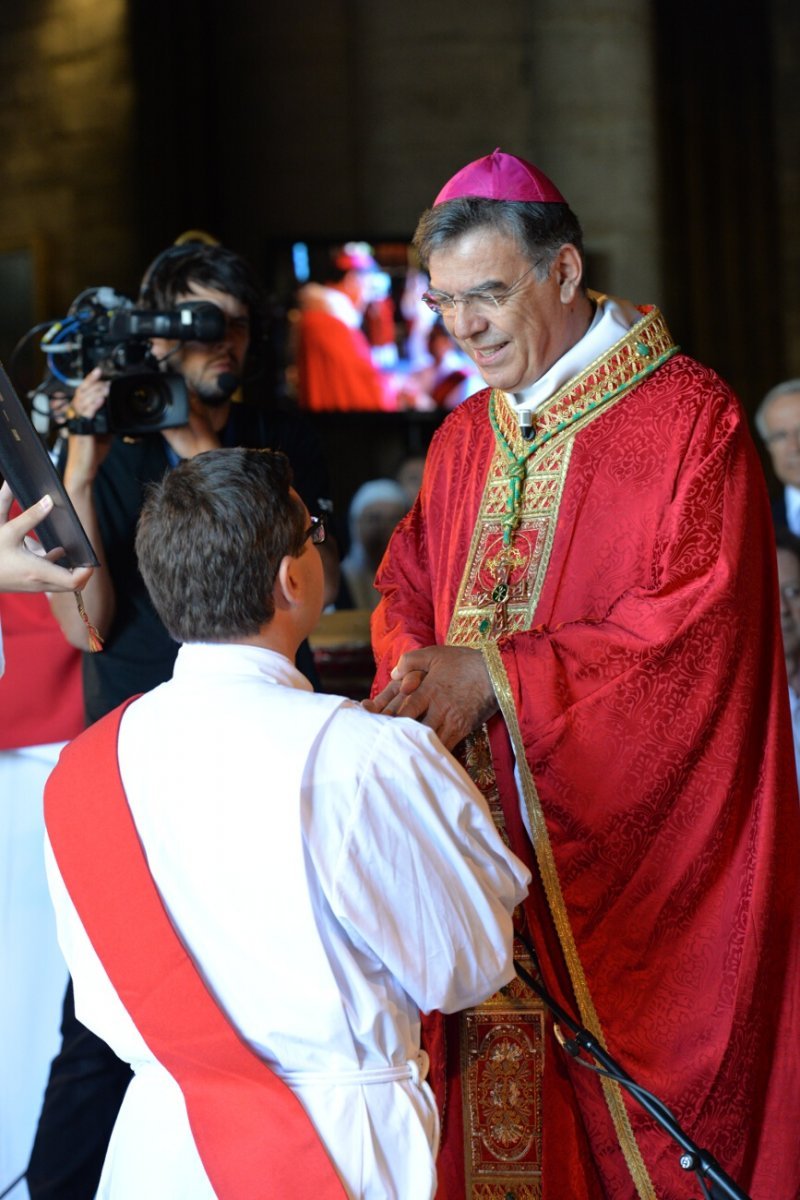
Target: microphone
x,y
227,383
526,423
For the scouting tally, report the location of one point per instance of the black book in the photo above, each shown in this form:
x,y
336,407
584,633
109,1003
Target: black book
x,y
29,471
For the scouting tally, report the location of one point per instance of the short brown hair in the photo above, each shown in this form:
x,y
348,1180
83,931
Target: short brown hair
x,y
210,539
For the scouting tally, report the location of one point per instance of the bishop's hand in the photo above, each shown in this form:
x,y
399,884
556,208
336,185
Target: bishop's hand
x,y
445,687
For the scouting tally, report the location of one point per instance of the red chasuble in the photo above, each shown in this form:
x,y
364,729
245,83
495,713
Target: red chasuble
x,y
630,628
252,1134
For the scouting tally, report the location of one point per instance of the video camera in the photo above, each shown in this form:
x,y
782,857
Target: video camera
x,y
103,328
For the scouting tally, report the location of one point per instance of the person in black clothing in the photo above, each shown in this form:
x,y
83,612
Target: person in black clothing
x,y
106,478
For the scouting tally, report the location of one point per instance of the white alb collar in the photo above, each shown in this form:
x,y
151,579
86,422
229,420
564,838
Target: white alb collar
x,y
225,658
612,320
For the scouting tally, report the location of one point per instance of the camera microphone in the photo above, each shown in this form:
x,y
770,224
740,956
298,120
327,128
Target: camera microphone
x,y
194,321
227,383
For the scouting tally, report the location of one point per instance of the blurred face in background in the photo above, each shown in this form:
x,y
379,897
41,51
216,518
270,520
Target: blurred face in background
x,y
375,525
789,584
409,476
782,437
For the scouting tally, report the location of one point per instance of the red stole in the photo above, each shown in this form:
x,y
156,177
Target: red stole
x,y
252,1134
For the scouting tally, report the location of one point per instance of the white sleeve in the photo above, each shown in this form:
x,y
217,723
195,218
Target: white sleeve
x,y
423,876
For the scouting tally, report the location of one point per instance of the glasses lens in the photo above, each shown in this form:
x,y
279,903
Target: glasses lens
x,y
483,303
316,530
434,303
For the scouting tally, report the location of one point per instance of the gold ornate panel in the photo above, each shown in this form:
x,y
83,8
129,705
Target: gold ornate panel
x,y
502,1060
510,547
483,609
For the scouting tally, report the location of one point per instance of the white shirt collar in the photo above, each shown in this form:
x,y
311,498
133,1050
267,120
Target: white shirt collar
x,y
792,497
232,658
612,320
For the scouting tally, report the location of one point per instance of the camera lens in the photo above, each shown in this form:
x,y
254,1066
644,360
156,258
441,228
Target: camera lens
x,y
147,401
144,402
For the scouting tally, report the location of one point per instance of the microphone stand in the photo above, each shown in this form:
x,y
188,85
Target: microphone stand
x,y
692,1158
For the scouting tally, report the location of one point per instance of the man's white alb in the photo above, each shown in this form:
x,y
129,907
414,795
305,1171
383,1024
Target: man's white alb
x,y
329,871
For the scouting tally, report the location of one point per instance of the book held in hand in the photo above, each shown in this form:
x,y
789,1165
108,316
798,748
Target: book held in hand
x,y
29,471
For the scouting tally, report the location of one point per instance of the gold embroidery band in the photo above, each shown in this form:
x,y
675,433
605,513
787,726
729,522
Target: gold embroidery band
x,y
639,352
478,613
510,549
501,1051
500,589
555,899
502,1059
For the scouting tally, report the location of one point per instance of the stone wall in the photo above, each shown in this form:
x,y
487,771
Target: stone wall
x,y
358,112
66,99
786,246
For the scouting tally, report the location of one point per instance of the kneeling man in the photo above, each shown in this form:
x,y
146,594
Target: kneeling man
x,y
258,888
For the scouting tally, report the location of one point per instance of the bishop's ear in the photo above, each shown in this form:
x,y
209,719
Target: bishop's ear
x,y
569,272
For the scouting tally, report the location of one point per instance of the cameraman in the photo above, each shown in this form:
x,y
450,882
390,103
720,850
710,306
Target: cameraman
x,y
106,477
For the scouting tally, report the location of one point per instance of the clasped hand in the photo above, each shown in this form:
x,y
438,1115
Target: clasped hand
x,y
445,687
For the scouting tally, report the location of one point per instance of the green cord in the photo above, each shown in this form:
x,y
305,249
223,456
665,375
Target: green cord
x,y
518,464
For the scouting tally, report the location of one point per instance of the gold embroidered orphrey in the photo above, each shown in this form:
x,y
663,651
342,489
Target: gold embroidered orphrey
x,y
502,1040
501,1045
503,577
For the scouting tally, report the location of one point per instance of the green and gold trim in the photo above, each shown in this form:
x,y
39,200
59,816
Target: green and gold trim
x,y
637,354
507,560
555,898
502,584
510,549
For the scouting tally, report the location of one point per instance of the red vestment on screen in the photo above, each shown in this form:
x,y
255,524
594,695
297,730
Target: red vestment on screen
x,y
630,629
334,366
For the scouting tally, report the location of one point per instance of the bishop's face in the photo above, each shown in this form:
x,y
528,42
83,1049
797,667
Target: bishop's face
x,y
514,343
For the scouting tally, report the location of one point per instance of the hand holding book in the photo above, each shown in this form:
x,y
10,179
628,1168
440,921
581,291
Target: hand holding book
x,y
25,565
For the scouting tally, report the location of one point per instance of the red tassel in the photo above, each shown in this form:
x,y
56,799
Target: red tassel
x,y
95,641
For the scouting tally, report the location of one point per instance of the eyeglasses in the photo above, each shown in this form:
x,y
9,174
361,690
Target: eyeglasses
x,y
481,301
316,531
790,591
